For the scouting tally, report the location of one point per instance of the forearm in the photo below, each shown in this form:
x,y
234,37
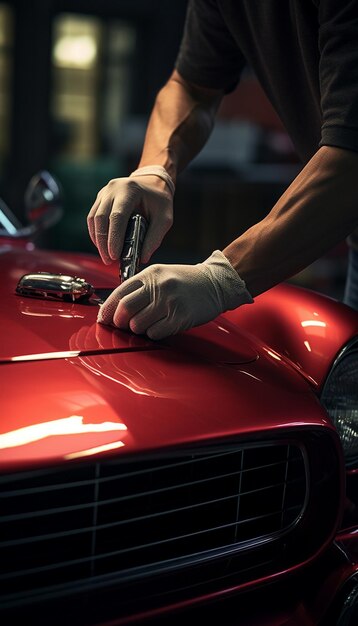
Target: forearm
x,y
180,124
317,211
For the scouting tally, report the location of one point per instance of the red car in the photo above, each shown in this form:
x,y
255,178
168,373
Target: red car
x,y
211,476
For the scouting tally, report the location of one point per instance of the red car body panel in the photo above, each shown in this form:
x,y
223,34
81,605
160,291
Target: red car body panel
x,y
300,326
36,326
73,389
307,328
108,391
143,401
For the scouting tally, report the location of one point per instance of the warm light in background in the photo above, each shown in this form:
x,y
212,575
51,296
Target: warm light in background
x,y
72,51
90,77
77,41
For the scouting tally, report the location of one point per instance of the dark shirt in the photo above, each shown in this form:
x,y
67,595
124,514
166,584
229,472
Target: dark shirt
x,y
303,52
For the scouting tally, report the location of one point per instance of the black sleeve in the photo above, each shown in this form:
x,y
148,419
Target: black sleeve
x,y
338,72
208,54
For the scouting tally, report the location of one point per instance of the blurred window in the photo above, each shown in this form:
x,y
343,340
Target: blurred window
x,y
6,46
90,60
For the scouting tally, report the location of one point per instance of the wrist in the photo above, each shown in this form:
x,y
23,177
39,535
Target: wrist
x,y
230,287
158,171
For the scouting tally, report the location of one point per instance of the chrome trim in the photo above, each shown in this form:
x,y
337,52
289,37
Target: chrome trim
x,y
132,248
352,345
54,287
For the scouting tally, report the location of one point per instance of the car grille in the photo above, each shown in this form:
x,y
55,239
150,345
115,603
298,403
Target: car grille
x,y
83,524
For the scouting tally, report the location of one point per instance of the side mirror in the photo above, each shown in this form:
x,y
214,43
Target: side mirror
x,y
43,200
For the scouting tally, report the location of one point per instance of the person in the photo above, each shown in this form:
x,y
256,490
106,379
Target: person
x,y
305,54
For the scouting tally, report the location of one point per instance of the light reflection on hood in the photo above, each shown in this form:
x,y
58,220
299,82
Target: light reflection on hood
x,y
72,425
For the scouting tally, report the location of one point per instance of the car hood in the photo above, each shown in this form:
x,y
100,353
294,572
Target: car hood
x,y
38,329
76,389
124,402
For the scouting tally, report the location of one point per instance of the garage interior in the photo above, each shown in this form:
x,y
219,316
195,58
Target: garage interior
x,y
77,82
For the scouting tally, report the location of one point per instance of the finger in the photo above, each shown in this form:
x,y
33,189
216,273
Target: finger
x,y
161,329
129,306
154,237
90,223
101,222
90,220
109,307
118,222
127,201
130,285
106,312
147,317
101,242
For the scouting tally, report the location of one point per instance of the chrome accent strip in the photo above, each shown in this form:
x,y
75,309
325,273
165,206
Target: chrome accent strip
x,y
54,287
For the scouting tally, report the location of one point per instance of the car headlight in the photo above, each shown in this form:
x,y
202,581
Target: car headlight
x,y
340,398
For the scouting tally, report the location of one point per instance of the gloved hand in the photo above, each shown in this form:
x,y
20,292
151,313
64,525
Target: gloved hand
x,y
162,300
150,195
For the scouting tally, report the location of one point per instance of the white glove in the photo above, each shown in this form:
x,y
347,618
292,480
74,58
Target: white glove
x,y
148,191
162,300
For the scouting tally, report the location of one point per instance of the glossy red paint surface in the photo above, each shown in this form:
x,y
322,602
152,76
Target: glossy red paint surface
x,y
67,408
74,390
78,389
303,326
38,327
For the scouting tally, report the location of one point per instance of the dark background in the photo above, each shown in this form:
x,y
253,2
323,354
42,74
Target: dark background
x,y
77,82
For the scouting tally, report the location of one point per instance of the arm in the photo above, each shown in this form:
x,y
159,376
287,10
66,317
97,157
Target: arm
x,y
317,211
180,124
320,208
